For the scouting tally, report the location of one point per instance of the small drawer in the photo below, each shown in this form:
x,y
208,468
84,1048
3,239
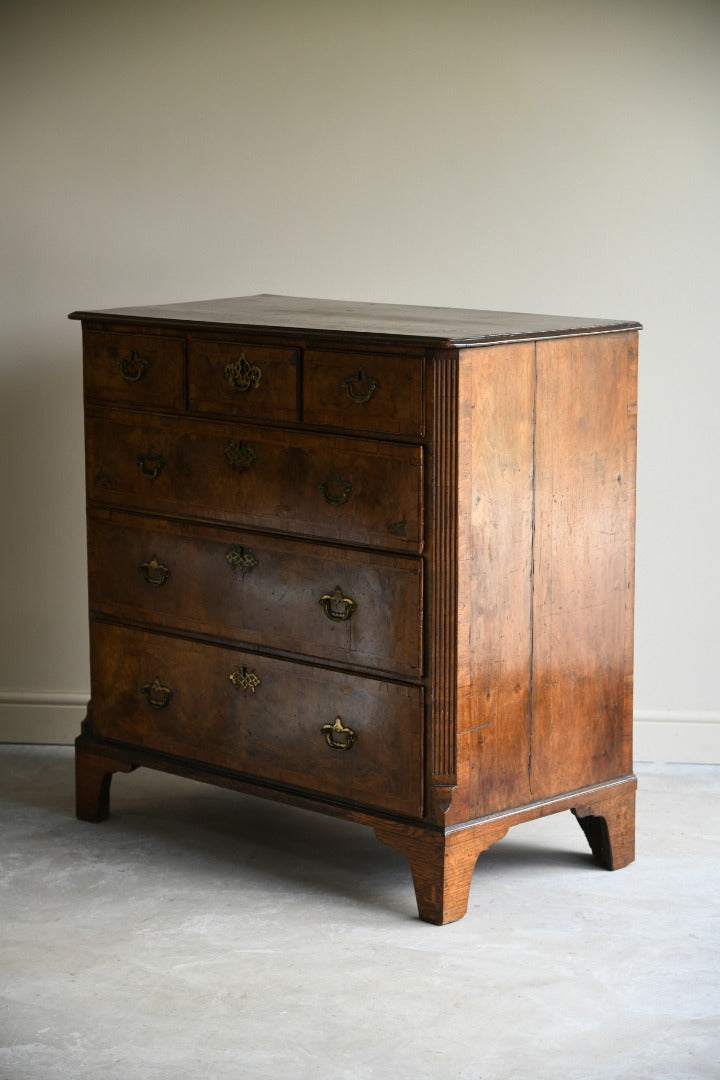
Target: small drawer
x,y
343,736
364,391
353,490
142,370
360,609
252,382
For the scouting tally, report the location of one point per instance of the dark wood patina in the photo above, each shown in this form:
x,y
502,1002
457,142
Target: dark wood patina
x,y
366,559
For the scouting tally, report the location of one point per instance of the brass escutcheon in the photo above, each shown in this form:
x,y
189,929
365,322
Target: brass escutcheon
x,y
156,463
244,678
242,559
133,367
368,386
154,572
336,606
338,728
336,490
242,375
157,694
240,455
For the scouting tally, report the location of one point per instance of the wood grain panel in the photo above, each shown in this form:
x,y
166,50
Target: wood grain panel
x,y
274,732
142,370
495,474
392,384
211,392
584,513
283,488
437,326
274,604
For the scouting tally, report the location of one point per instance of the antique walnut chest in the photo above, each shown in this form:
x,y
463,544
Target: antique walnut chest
x,y
367,559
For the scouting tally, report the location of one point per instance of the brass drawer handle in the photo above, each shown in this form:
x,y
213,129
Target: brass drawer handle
x,y
151,464
240,455
242,559
244,678
242,375
337,607
133,367
338,728
157,694
154,572
368,386
336,490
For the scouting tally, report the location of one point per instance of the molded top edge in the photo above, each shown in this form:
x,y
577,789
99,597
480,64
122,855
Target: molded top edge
x,y
436,325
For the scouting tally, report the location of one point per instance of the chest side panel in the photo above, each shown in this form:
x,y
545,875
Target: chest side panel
x,y
495,504
583,562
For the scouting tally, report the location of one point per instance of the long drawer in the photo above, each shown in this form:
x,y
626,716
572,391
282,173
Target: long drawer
x,y
340,488
354,607
339,735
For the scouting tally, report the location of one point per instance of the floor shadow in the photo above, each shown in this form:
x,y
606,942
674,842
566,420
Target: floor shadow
x,y
208,829
211,830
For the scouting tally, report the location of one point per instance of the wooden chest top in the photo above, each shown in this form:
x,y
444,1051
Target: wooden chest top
x,y
433,326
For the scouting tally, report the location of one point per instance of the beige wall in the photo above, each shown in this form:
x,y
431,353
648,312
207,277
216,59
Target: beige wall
x,y
541,156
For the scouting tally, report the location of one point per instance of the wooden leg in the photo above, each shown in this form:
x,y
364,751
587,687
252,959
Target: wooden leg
x,y
609,825
441,864
93,774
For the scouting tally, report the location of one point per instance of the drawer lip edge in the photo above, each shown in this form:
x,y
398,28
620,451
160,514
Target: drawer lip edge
x,y
410,550
190,767
299,659
98,508
304,659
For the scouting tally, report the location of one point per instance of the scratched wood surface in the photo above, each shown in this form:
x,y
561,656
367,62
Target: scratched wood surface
x,y
472,490
273,732
494,578
584,526
434,325
546,479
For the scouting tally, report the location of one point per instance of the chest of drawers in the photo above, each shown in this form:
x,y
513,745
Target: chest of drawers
x,y
366,559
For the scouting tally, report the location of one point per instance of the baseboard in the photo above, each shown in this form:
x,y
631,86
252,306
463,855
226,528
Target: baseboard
x,y
659,734
49,718
677,735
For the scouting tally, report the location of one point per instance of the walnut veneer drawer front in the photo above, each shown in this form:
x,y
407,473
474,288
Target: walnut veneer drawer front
x,y
352,607
146,371
364,391
342,735
354,490
251,382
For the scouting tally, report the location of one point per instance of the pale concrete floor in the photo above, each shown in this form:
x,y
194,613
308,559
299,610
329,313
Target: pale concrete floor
x,y
203,934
